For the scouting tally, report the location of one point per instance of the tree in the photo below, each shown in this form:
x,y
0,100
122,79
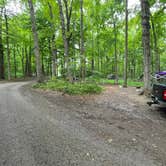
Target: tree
x,y
36,43
2,74
145,13
126,44
66,34
115,53
100,34
157,57
53,44
82,41
8,49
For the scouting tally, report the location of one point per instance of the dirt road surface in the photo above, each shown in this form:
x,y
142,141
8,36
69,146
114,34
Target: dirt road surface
x,y
44,128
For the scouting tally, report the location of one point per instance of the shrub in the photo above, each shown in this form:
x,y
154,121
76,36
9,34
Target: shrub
x,y
70,88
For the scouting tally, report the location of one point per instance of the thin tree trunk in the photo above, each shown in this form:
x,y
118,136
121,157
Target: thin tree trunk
x,y
126,44
15,63
152,54
74,53
115,55
98,59
101,63
53,44
145,11
8,49
66,34
82,41
54,58
92,59
22,61
30,62
26,62
42,63
2,75
36,43
157,56
66,46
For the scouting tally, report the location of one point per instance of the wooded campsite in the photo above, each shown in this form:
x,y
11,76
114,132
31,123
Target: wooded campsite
x,y
82,83
83,40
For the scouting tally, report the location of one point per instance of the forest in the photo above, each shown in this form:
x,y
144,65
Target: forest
x,y
81,40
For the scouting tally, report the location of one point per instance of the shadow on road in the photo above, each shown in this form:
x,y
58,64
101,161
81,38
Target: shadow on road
x,y
162,112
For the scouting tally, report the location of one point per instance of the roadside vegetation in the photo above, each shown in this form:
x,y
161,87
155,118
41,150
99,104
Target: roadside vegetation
x,y
72,88
83,42
105,81
91,85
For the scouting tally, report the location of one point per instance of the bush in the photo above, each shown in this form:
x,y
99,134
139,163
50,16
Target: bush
x,y
77,88
94,74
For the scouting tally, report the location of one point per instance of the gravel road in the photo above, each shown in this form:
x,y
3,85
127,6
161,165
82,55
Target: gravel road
x,y
55,130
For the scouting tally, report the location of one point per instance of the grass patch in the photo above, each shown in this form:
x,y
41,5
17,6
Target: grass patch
x,y
120,82
130,82
91,86
70,88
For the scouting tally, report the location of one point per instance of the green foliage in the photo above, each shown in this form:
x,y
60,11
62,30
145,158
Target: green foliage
x,y
99,39
77,88
95,74
112,82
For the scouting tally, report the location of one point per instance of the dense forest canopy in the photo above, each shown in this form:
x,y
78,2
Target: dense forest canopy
x,y
78,38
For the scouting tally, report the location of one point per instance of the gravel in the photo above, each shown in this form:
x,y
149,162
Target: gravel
x,y
44,128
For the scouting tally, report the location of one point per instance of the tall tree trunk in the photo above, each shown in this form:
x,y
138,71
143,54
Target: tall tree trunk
x,y
53,44
152,54
115,55
2,75
15,63
54,58
36,43
22,61
8,49
93,54
82,41
157,56
26,62
30,62
42,63
126,44
74,57
145,11
64,35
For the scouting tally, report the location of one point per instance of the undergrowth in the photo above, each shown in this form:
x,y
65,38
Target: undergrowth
x,y
77,88
112,82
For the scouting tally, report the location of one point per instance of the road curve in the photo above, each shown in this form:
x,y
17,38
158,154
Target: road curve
x,y
31,134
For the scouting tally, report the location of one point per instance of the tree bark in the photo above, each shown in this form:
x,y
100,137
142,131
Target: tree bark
x,y
82,41
93,54
22,61
66,32
2,75
15,63
157,56
63,27
30,62
36,43
145,13
53,45
126,44
26,62
115,55
8,49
